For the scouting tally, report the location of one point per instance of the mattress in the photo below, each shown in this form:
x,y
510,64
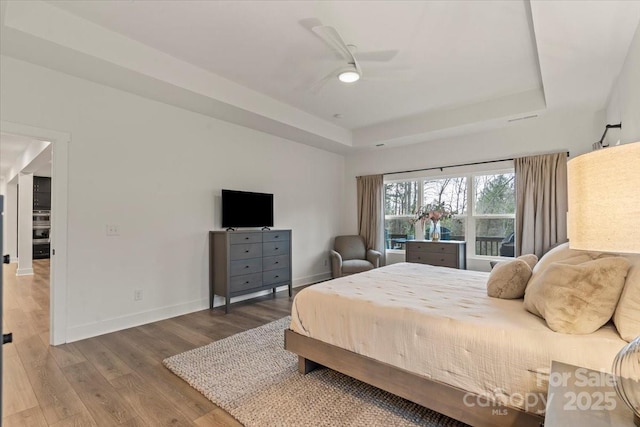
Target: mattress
x,y
439,323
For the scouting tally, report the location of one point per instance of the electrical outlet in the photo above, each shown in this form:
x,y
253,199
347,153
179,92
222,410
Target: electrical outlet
x,y
137,295
113,230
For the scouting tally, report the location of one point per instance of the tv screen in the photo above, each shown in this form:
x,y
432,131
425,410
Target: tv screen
x,y
246,209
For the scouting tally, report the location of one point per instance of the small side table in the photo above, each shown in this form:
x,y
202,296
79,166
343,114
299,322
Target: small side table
x,y
585,398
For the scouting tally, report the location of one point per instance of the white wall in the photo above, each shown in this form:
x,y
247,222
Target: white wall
x,y
554,131
156,172
624,101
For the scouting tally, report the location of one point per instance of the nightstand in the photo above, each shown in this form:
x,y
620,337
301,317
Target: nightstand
x,y
585,398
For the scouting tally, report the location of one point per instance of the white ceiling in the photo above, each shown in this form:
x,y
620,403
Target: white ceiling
x,y
452,53
460,66
16,157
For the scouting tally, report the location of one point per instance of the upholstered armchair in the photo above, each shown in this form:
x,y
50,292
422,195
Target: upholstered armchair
x,y
350,255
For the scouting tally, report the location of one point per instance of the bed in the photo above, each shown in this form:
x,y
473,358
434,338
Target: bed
x,y
446,344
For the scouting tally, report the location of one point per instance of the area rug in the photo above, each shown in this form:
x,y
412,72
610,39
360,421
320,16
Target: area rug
x,y
254,379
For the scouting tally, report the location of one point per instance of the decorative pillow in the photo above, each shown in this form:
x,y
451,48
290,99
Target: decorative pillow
x,y
561,253
508,279
577,298
627,315
531,259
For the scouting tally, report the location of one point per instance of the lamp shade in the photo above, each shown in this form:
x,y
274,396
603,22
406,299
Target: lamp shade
x,y
604,200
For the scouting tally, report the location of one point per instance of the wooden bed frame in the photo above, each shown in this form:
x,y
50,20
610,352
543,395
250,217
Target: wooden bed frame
x,y
431,394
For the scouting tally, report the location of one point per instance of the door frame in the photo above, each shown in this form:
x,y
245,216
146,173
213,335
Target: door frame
x,y
59,236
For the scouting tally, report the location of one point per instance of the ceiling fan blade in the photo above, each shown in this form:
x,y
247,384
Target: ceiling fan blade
x,y
333,39
378,56
317,86
391,74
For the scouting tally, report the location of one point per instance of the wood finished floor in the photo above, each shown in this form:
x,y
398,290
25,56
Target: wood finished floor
x,y
114,379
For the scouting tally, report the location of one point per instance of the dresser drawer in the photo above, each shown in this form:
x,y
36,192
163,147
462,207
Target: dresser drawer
x,y
237,238
446,248
245,266
247,281
275,276
252,250
275,236
442,260
275,248
275,262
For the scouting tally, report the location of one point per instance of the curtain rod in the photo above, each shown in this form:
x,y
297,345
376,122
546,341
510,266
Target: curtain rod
x,y
441,168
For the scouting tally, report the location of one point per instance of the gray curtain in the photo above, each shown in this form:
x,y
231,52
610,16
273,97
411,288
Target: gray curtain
x,y
371,211
541,197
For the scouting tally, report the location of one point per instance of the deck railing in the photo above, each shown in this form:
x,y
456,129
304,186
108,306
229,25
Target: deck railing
x,y
489,246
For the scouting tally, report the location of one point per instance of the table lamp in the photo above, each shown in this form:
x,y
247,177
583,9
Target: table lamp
x,y
604,216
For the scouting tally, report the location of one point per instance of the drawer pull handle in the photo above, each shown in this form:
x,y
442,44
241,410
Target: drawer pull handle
x,y
246,252
276,237
277,277
277,249
246,266
277,262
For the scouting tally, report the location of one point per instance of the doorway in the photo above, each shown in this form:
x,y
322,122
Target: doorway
x,y
58,261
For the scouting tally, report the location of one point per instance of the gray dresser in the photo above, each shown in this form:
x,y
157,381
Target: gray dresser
x,y
242,262
444,253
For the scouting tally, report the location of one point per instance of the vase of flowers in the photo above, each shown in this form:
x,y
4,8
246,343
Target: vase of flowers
x,y
432,212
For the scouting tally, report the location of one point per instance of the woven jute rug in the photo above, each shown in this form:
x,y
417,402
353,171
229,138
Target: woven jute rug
x,y
254,379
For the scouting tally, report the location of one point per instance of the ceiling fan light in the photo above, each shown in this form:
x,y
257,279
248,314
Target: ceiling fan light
x,y
349,76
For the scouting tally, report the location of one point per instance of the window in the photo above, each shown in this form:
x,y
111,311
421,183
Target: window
x,y
494,213
401,200
483,204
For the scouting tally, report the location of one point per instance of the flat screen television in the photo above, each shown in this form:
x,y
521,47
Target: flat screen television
x,y
246,209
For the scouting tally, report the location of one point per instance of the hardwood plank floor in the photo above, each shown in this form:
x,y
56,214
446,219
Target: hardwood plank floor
x,y
114,379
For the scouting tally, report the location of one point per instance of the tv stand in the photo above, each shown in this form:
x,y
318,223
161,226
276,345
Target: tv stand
x,y
244,262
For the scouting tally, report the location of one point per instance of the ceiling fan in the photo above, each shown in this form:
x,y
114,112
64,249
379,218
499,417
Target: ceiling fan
x,y
351,72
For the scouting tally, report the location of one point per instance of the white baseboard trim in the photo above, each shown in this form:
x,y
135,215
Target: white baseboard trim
x,y
308,280
24,272
89,330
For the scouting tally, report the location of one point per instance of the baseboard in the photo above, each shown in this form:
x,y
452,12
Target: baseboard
x,y
89,330
24,272
309,280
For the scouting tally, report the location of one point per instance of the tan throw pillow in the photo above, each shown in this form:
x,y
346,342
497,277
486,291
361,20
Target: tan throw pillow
x,y
531,259
577,298
508,279
627,315
561,253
